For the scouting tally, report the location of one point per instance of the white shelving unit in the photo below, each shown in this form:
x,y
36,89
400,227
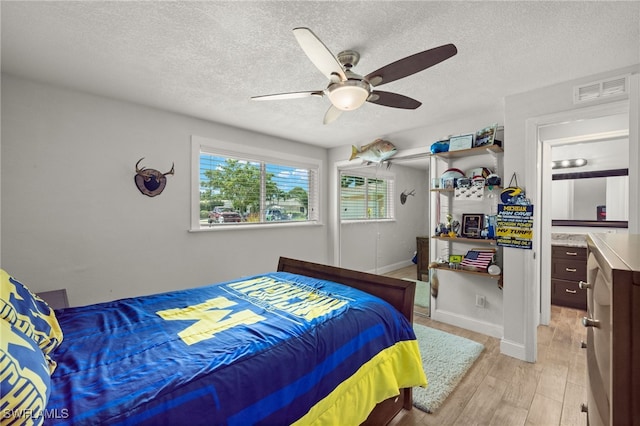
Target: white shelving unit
x,y
460,290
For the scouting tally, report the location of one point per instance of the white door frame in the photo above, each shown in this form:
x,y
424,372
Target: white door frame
x,y
538,276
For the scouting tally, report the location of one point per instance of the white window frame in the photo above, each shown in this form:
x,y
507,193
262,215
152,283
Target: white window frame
x,y
201,144
372,172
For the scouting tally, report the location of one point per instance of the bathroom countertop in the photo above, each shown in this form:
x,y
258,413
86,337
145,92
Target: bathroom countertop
x,y
569,240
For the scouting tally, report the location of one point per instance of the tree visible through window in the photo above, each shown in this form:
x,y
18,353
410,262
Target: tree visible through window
x,y
239,190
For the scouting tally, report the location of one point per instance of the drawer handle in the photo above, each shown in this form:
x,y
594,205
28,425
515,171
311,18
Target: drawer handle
x,y
584,285
589,322
570,269
583,344
583,408
570,291
571,253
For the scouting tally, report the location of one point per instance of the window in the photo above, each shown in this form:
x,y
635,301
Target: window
x,y
366,195
236,188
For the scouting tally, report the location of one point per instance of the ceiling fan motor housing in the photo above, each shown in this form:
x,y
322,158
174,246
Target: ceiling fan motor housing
x,y
348,58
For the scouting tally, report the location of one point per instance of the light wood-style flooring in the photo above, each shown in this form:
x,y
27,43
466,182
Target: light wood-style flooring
x,y
500,390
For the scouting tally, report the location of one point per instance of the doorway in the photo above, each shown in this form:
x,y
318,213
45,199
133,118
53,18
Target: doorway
x,y
384,245
574,132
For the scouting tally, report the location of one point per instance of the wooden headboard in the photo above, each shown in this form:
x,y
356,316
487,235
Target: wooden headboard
x,y
399,293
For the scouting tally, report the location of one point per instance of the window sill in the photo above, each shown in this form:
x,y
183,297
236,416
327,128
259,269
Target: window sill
x,y
254,226
361,221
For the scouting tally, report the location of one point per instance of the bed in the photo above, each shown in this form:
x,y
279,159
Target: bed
x,y
307,344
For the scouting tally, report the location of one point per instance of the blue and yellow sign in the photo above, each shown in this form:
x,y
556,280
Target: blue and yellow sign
x,y
515,226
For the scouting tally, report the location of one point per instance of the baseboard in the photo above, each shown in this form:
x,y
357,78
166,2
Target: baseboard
x,y
513,349
493,330
388,268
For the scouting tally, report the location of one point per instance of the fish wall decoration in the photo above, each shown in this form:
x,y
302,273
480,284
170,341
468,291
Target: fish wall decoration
x,y
377,151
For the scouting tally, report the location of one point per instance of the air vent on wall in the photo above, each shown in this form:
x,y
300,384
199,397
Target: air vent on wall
x,y
600,89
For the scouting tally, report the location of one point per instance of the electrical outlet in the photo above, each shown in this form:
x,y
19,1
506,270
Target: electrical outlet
x,y
480,301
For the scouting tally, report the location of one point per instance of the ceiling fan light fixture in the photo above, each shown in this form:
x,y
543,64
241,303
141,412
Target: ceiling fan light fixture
x,y
348,95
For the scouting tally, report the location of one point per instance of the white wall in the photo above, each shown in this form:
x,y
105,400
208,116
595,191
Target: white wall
x,y
601,155
72,217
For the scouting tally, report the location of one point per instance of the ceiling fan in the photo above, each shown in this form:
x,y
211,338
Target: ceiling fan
x,y
347,90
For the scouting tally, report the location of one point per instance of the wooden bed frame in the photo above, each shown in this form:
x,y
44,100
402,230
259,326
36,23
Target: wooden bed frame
x,y
399,293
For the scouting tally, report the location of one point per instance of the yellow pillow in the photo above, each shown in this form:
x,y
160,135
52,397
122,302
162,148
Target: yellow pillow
x,y
25,384
29,314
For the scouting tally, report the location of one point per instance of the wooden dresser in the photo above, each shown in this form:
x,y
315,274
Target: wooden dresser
x,y
422,257
568,268
613,335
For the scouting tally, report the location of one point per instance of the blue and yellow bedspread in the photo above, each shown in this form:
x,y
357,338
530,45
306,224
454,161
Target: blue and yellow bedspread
x,y
271,349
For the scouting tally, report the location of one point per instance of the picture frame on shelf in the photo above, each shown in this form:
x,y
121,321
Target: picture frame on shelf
x,y
486,136
455,258
457,143
472,225
449,183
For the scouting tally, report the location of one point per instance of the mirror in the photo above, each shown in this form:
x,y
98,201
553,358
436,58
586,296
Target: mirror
x,y
590,180
596,198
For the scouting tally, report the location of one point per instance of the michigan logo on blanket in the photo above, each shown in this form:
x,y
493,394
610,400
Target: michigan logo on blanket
x,y
288,300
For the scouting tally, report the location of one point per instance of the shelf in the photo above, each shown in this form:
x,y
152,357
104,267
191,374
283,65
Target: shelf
x,y
453,205
476,273
450,191
464,271
489,149
467,240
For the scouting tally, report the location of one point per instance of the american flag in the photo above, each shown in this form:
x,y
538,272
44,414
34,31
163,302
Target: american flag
x,y
477,259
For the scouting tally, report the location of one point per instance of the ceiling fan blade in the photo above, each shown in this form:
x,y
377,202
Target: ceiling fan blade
x,y
318,53
393,100
290,95
411,65
331,115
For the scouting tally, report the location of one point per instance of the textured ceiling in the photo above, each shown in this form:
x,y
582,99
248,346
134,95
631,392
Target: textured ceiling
x,y
206,59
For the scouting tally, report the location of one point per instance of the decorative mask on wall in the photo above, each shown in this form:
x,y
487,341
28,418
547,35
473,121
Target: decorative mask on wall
x,y
151,182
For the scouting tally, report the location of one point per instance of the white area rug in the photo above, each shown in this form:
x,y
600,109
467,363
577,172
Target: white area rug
x,y
445,358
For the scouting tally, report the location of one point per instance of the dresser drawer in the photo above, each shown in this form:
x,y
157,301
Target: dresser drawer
x,y
566,252
567,293
569,269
